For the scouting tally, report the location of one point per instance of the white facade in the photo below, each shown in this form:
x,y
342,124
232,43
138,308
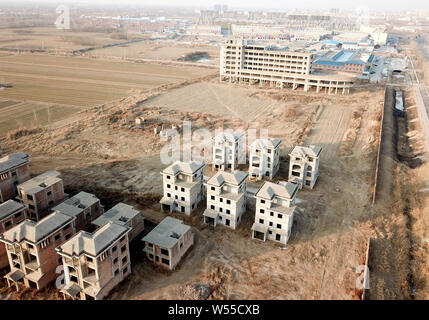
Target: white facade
x,y
182,184
264,158
275,207
304,165
226,199
228,150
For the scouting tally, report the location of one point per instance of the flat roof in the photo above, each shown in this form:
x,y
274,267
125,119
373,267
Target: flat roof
x,y
40,182
13,160
167,233
93,243
120,214
76,204
10,207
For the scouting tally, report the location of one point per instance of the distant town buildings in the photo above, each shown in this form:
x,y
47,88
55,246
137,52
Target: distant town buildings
x,y
182,184
304,165
168,242
275,208
226,199
14,170
227,150
41,194
264,158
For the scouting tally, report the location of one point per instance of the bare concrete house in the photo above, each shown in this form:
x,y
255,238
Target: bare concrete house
x,y
264,158
14,170
84,206
304,165
226,199
123,215
30,248
41,194
94,263
182,182
275,207
11,214
168,242
227,149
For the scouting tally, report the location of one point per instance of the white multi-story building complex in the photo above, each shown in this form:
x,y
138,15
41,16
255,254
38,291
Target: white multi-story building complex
x,y
264,158
275,207
228,150
304,165
226,199
182,183
245,61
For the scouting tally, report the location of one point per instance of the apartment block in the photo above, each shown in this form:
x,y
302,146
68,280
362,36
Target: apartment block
x,y
264,158
182,183
228,150
226,199
30,248
11,214
275,208
123,215
168,242
95,263
245,61
84,206
41,194
14,170
304,165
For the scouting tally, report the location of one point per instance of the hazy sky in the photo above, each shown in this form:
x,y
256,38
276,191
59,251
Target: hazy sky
x,y
389,5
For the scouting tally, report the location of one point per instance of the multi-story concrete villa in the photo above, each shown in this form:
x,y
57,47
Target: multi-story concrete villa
x,y
168,242
275,207
11,214
264,158
95,263
226,199
304,165
41,194
84,206
14,169
228,150
124,215
182,184
30,247
245,61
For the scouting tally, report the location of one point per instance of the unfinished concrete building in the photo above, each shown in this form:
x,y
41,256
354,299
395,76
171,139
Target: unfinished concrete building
x,y
30,247
304,166
123,215
182,182
168,242
41,194
264,158
11,214
226,199
94,263
14,170
275,207
244,61
84,206
228,147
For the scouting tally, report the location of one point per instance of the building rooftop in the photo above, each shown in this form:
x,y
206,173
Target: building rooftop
x,y
310,151
36,231
269,190
183,167
229,136
40,182
167,233
222,177
120,214
266,143
76,204
343,57
93,243
13,160
10,207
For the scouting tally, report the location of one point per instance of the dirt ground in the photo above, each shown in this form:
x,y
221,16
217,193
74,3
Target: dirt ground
x,y
122,164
